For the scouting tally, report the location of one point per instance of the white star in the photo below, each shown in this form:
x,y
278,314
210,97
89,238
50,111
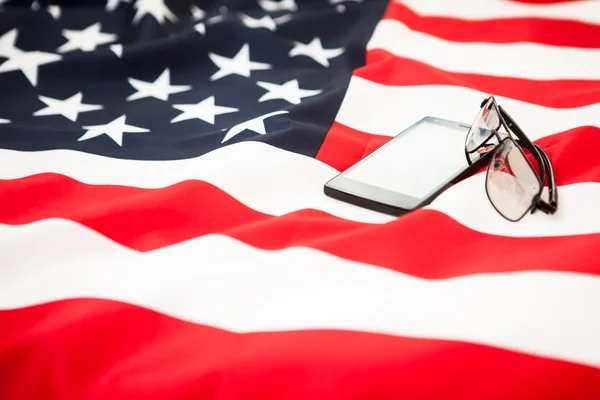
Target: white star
x,y
68,108
200,28
255,125
157,8
7,44
24,61
289,91
117,49
55,11
264,22
215,19
284,19
197,12
160,89
87,39
4,121
315,51
205,110
113,130
240,64
111,5
35,6
274,5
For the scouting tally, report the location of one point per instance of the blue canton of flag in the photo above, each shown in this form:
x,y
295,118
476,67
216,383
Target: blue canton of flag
x,y
171,79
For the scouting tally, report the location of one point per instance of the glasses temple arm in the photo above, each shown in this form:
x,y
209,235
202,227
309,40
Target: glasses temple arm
x,y
553,190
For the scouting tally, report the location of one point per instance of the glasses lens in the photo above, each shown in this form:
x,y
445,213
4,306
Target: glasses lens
x,y
486,121
511,182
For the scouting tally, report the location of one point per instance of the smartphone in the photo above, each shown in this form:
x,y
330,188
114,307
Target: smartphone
x,y
409,170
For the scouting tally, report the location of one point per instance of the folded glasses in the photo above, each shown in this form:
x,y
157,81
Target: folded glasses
x,y
512,185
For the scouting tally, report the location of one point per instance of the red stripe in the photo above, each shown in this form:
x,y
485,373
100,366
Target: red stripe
x,y
506,30
573,152
343,146
146,219
388,69
98,349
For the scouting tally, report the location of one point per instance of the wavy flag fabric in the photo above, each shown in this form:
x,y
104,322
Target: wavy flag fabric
x,y
164,232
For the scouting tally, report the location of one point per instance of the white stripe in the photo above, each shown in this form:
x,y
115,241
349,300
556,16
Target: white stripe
x,y
280,182
522,60
218,281
387,110
584,10
468,204
263,177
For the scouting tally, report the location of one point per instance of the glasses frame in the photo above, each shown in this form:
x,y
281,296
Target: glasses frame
x,y
522,141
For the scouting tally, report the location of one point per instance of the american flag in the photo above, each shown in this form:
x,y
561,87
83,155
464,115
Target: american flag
x,y
164,232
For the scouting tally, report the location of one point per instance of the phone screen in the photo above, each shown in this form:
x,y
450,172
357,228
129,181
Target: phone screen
x,y
417,161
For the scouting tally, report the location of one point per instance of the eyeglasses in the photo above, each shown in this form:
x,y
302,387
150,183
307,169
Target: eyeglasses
x,y
512,185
